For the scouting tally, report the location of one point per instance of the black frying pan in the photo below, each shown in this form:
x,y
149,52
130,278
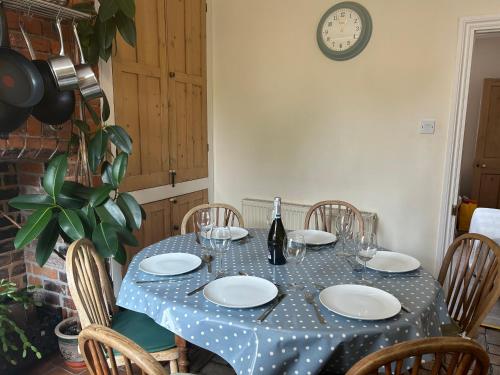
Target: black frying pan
x,y
56,107
21,84
11,118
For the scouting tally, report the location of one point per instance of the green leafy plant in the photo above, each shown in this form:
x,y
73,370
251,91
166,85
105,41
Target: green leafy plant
x,y
97,35
74,210
10,333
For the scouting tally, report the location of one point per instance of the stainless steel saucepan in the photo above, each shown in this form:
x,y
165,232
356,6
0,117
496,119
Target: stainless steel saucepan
x,y
87,81
62,67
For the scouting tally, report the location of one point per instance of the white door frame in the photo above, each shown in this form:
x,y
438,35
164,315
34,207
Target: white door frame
x,y
468,28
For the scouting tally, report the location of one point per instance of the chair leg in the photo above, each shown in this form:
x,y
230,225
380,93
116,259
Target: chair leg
x,y
173,367
183,360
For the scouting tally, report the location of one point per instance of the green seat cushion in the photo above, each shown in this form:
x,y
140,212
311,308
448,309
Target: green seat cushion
x,y
143,330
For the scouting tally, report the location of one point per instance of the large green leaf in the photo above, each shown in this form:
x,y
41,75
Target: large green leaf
x,y
120,138
127,7
46,242
107,9
31,202
125,236
106,174
109,212
76,189
100,195
131,209
120,255
119,168
90,214
126,27
69,202
107,33
54,175
106,111
97,148
70,223
105,239
34,226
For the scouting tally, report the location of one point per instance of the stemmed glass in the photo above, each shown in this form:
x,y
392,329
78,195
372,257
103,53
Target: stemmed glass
x,y
366,250
220,239
203,226
343,226
294,250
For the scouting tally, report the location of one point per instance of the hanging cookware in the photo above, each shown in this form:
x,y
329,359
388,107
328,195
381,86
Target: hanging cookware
x,y
12,117
87,81
62,67
56,107
21,84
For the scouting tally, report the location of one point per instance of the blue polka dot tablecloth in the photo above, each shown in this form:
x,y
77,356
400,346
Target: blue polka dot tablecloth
x,y
290,340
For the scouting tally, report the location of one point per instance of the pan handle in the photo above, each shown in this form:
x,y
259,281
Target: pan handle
x,y
59,31
80,51
27,40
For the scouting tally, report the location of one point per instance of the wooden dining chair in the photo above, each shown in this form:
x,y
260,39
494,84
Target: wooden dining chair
x,y
225,214
99,346
324,214
93,296
436,355
470,275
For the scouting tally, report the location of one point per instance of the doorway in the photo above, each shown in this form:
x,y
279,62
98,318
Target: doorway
x,y
476,35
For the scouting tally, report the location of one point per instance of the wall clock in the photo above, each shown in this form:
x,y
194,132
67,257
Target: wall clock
x,y
344,31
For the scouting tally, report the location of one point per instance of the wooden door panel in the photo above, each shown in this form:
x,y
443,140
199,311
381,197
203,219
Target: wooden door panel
x,y
155,228
187,89
182,204
486,184
141,97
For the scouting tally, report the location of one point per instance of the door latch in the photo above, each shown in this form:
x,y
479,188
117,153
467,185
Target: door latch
x,y
172,177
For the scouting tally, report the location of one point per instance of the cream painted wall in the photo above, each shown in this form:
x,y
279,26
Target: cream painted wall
x,y
485,64
290,122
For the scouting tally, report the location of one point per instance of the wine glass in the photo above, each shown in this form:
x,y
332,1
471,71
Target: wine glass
x,y
220,239
294,250
366,250
203,226
343,226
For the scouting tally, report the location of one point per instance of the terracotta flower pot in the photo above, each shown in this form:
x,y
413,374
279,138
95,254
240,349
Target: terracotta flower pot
x,y
67,334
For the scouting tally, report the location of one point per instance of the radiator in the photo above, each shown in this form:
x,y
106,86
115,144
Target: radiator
x,y
257,214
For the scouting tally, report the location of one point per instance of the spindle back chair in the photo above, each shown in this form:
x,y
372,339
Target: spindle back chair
x,y
470,275
324,214
223,215
99,345
446,355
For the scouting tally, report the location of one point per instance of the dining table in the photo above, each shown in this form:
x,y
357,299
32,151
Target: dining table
x,y
290,340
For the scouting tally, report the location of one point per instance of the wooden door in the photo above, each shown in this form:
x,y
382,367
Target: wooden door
x,y
140,94
155,228
187,101
179,206
486,185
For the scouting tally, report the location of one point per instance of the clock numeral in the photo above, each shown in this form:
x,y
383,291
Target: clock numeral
x,y
340,46
328,39
357,28
356,20
330,23
335,17
355,36
348,42
342,14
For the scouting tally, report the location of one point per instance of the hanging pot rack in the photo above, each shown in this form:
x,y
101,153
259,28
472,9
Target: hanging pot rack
x,y
45,9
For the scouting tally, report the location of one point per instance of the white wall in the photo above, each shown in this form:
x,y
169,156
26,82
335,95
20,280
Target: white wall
x,y
290,122
485,64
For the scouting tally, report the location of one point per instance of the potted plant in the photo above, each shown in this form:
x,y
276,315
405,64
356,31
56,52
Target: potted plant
x,y
67,335
14,343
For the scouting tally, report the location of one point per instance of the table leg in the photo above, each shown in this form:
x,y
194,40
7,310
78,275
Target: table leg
x,y
183,354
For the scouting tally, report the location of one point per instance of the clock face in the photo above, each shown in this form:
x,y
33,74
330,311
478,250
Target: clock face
x,y
344,30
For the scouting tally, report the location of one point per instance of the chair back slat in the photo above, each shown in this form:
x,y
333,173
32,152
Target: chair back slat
x,y
89,284
325,214
471,275
96,340
224,215
455,355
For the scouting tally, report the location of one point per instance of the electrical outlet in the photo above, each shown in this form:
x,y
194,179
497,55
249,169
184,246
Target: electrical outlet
x,y
427,126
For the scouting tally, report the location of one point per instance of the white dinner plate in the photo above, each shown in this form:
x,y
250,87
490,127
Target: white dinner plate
x,y
237,233
360,302
390,261
241,292
170,264
316,237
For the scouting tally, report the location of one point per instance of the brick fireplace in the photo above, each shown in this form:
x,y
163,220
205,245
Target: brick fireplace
x,y
23,158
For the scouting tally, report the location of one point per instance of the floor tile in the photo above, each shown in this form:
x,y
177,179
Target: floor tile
x,y
494,349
